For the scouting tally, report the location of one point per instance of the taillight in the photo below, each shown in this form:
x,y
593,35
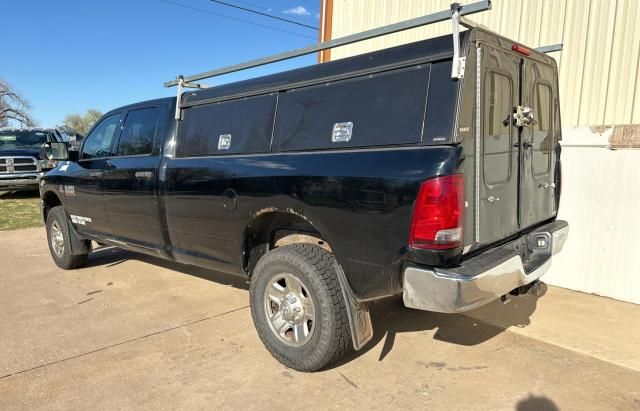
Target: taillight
x,y
438,213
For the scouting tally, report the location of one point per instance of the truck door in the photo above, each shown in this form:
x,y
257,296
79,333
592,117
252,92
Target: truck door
x,y
498,166
130,180
84,183
538,143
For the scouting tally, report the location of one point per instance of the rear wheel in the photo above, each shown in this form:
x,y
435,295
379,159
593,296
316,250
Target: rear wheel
x,y
298,308
58,239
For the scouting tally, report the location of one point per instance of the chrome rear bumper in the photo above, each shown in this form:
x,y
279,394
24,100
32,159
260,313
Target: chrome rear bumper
x,y
480,279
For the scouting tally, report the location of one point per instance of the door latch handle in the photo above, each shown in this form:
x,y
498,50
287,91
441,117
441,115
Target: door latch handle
x,y
523,116
547,185
144,174
96,174
492,199
525,145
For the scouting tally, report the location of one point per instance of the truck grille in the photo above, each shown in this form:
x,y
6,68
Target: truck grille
x,y
11,165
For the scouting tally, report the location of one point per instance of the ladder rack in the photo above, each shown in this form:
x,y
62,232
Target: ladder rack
x,y
342,41
454,14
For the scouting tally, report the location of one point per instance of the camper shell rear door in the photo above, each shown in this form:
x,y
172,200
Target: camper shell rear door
x,y
516,164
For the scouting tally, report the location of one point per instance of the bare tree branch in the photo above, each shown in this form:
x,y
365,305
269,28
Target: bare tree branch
x,y
13,107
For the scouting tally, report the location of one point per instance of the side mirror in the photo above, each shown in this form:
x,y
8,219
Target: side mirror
x,y
56,151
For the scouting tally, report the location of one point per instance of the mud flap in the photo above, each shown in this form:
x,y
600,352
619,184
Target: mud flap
x,y
358,313
77,246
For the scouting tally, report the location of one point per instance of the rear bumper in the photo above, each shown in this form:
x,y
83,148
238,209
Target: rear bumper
x,y
485,277
23,181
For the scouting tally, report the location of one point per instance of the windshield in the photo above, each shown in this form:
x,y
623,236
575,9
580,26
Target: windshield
x,y
22,139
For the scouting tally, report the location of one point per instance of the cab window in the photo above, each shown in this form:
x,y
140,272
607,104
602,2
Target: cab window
x,y
138,132
99,142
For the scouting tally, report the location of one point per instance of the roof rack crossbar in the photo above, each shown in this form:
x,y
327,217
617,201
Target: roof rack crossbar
x,y
462,10
550,48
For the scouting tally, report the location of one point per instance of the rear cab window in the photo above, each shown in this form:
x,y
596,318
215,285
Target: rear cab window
x,y
138,132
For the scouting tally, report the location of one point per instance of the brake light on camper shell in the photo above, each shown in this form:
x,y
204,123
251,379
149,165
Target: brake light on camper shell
x,y
521,49
438,213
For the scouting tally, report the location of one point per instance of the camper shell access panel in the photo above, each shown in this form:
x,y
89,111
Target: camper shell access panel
x,y
397,79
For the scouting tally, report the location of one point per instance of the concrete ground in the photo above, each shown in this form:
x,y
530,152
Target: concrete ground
x,y
131,331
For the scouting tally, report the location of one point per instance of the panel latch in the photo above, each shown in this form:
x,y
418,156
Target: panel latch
x,y
523,116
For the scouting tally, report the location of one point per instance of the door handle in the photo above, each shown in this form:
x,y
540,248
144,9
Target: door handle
x,y
547,185
144,174
96,174
525,145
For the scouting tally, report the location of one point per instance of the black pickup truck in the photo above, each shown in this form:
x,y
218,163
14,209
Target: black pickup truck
x,y
22,163
332,186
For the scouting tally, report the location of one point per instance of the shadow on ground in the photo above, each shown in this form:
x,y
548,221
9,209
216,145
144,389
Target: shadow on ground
x,y
111,256
389,316
536,403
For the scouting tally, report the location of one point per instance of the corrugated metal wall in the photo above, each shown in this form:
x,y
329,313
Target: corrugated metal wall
x,y
599,66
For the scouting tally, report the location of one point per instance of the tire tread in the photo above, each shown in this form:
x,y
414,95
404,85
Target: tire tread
x,y
324,266
68,261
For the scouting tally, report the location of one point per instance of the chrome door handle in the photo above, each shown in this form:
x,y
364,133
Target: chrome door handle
x,y
144,174
96,174
547,185
491,199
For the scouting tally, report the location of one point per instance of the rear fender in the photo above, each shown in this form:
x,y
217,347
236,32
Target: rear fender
x,y
258,235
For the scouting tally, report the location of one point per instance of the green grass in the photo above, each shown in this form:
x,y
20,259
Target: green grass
x,y
19,210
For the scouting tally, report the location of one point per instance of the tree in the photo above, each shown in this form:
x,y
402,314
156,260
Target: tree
x,y
13,107
82,123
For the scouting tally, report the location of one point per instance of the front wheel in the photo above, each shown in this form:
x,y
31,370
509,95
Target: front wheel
x,y
58,239
298,307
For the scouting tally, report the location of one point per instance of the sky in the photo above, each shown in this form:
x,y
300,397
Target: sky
x,y
67,56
